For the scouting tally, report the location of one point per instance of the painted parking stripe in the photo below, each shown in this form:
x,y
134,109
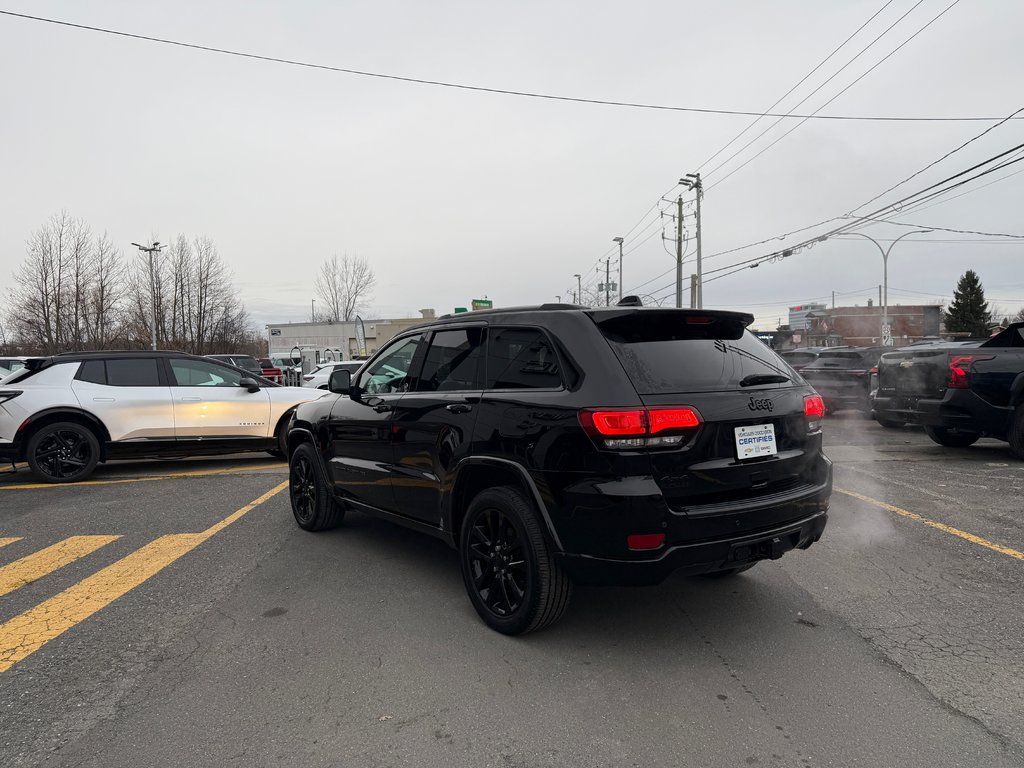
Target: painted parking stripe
x,y
27,632
8,540
1016,554
144,479
33,567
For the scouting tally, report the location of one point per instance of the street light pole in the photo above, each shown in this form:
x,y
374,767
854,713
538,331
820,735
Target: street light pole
x,y
312,310
579,288
885,276
150,250
619,241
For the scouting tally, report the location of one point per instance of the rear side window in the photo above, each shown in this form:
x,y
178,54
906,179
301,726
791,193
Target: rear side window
x,y
133,372
665,354
454,362
93,371
521,358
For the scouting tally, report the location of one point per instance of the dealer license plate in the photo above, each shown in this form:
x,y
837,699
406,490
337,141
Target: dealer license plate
x,y
758,440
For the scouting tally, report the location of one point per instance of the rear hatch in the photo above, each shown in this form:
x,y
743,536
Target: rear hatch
x,y
740,388
918,373
842,374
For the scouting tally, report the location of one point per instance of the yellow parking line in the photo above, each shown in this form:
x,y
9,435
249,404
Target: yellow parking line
x,y
9,540
27,632
937,525
145,479
33,567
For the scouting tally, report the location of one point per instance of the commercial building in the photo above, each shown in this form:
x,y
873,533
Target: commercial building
x,y
862,326
337,341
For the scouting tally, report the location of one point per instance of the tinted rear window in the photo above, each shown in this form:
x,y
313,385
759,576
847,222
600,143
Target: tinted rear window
x,y
695,364
133,372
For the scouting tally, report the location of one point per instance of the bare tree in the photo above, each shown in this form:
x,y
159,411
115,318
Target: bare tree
x,y
48,300
197,307
344,286
1019,317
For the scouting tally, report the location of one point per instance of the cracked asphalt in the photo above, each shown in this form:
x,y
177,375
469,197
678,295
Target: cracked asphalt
x,y
895,641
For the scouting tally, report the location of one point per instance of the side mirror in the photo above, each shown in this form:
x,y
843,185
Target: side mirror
x,y
340,382
249,384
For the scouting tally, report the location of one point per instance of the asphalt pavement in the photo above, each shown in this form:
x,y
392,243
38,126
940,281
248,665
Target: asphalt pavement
x,y
171,613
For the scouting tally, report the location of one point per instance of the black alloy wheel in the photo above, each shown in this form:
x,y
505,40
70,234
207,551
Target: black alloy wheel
x,y
497,562
313,505
952,438
64,452
510,576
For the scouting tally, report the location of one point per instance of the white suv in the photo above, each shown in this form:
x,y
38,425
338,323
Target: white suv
x,y
63,414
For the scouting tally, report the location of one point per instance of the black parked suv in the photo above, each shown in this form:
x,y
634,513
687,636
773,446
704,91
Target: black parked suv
x,y
559,444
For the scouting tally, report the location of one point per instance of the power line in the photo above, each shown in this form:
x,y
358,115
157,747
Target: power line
x,y
872,217
936,162
832,77
844,90
485,89
820,64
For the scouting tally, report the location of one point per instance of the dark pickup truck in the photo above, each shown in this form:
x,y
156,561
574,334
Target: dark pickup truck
x,y
958,394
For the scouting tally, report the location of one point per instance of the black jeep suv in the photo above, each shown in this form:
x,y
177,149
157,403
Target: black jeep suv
x,y
560,444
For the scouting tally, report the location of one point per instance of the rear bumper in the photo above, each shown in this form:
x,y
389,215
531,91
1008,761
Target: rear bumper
x,y
698,557
959,409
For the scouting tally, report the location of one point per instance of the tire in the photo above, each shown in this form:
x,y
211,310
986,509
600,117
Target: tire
x,y
951,438
724,574
63,452
313,504
502,545
1016,434
281,437
889,423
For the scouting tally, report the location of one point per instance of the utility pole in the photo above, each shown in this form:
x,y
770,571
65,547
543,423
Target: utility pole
x,y
150,250
692,181
679,252
312,310
579,289
693,291
833,299
619,241
607,286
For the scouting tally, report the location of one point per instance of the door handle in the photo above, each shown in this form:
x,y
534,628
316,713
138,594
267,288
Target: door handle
x,y
382,408
104,400
459,408
191,399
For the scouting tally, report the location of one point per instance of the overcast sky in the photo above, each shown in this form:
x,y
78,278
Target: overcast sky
x,y
453,194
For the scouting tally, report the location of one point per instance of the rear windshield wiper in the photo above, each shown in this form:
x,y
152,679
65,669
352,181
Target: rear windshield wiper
x,y
763,378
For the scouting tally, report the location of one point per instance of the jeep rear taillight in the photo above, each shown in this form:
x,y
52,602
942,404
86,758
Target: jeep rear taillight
x,y
959,367
629,428
814,410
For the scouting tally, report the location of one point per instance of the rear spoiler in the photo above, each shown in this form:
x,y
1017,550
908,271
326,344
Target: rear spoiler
x,y
633,324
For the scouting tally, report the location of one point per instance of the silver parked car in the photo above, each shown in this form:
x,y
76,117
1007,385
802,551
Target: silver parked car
x,y
64,414
319,376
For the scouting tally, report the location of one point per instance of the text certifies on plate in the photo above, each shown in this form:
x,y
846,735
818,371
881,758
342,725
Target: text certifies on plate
x,y
758,440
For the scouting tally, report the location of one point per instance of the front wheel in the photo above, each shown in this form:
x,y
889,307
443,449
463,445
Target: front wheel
x,y
313,504
952,438
508,569
64,452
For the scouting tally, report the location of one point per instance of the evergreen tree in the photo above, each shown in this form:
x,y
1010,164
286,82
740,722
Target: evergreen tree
x,y
969,311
